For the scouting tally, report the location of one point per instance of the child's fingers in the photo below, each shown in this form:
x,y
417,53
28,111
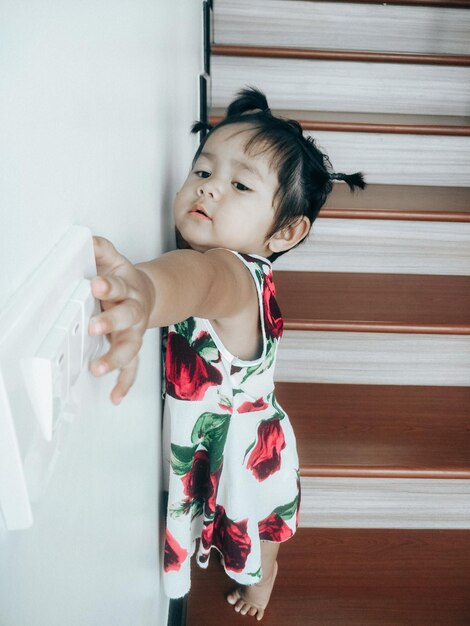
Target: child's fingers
x,y
124,348
117,318
110,288
106,255
125,380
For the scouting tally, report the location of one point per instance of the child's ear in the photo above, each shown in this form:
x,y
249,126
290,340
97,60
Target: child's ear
x,y
289,236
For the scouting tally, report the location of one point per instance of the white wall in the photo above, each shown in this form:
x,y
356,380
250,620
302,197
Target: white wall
x,y
96,99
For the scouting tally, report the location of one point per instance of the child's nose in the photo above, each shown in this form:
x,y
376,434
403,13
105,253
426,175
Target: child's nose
x,y
209,187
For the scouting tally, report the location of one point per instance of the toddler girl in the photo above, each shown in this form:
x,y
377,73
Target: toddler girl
x,y
254,190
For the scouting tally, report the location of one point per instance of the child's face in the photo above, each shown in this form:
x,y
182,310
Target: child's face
x,y
227,199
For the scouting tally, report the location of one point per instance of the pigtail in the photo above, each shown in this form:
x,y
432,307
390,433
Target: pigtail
x,y
201,126
249,99
352,180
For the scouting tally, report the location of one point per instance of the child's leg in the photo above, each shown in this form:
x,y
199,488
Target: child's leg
x,y
254,599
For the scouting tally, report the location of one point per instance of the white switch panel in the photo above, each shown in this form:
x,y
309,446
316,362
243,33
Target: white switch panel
x,y
44,347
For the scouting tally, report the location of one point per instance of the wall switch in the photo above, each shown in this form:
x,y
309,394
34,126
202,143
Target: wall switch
x,y
14,499
71,323
89,307
46,376
44,347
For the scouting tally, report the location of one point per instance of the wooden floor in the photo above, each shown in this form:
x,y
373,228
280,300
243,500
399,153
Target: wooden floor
x,y
355,577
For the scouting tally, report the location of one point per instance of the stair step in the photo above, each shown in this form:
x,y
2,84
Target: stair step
x,y
399,202
374,358
399,159
379,431
267,52
353,577
350,26
391,247
409,303
354,86
359,501
373,123
401,154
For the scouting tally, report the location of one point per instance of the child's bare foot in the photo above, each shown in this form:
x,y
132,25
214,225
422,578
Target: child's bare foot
x,y
253,599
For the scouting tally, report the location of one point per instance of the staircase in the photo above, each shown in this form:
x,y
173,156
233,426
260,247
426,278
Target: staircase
x,y
374,366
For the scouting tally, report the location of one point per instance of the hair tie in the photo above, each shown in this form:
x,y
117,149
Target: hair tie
x,y
352,180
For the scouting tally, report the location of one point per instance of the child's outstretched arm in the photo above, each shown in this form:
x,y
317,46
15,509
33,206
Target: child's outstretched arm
x,y
179,284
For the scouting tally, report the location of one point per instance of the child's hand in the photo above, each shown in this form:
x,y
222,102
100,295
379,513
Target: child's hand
x,y
126,296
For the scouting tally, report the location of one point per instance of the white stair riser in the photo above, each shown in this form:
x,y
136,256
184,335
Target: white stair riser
x,y
382,246
342,26
345,86
384,503
390,159
373,358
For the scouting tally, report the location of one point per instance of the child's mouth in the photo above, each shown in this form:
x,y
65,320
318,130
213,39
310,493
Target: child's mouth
x,y
198,211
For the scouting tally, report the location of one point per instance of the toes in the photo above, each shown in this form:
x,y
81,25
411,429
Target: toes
x,y
239,605
245,608
253,611
233,596
260,614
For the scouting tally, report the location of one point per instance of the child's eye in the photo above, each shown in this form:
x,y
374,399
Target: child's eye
x,y
202,173
241,187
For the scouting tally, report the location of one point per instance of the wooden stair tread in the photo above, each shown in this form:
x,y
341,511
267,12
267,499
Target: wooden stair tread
x,y
379,430
352,577
406,198
450,4
280,52
352,116
408,302
342,121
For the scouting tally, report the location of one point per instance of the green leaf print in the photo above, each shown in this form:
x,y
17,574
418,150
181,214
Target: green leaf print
x,y
197,507
255,574
206,348
225,401
259,275
264,365
287,510
211,430
186,328
210,353
250,447
182,458
180,509
279,413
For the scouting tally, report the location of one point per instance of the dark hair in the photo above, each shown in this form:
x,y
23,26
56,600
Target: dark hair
x,y
305,173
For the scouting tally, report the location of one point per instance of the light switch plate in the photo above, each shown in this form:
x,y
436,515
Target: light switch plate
x,y
26,322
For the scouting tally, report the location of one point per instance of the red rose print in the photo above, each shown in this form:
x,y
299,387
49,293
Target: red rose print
x,y
200,484
265,457
197,482
257,405
225,407
230,538
188,375
210,502
174,554
272,315
274,528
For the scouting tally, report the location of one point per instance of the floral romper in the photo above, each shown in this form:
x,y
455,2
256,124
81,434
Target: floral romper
x,y
232,465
